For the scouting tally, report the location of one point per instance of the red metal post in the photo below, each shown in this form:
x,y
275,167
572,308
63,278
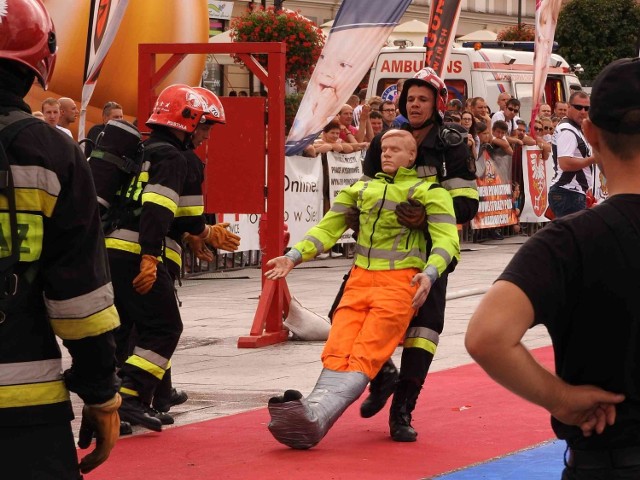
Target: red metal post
x,y
279,297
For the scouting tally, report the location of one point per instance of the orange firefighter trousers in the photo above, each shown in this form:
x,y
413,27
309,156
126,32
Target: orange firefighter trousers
x,y
370,320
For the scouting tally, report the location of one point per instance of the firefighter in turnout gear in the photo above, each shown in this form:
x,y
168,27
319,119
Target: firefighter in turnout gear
x,y
145,249
54,277
166,396
444,157
395,268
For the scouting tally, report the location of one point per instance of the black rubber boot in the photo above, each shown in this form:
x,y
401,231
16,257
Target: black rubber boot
x,y
125,428
175,397
164,417
380,389
135,412
403,404
166,396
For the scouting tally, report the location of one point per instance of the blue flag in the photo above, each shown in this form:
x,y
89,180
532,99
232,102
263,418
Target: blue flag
x,y
359,31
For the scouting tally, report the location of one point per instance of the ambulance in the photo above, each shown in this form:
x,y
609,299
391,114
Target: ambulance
x,y
479,69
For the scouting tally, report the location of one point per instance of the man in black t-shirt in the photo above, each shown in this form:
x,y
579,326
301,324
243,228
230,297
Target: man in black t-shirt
x,y
578,277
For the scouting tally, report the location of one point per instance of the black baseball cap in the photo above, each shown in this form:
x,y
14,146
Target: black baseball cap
x,y
616,92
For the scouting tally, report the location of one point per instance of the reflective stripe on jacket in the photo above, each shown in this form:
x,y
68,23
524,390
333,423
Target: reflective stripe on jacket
x,y
63,288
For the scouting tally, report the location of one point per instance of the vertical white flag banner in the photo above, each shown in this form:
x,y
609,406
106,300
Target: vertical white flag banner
x,y
104,22
547,12
344,169
359,31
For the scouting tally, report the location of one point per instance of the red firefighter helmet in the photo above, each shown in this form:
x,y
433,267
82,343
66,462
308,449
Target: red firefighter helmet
x,y
429,78
179,107
27,36
215,110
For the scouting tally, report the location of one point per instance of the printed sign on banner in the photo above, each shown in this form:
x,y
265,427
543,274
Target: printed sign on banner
x,y
344,170
536,185
245,226
494,188
302,195
220,9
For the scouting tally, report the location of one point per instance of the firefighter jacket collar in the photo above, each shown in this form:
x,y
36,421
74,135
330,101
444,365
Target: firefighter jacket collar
x,y
402,174
162,135
430,141
12,101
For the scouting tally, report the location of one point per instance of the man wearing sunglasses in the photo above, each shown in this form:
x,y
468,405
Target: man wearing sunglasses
x,y
573,161
510,116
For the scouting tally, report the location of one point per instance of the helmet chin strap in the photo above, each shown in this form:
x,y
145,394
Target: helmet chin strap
x,y
428,122
187,142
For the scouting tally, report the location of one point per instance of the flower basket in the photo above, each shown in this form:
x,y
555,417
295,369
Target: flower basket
x,y
303,38
517,33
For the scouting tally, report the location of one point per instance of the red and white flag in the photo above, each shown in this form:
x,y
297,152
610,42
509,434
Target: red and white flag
x,y
443,23
547,12
104,23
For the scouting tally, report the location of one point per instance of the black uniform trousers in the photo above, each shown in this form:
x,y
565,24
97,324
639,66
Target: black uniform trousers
x,y
605,473
39,452
157,322
424,329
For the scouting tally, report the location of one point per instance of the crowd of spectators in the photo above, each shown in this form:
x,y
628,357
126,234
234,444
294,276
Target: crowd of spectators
x,y
362,118
60,113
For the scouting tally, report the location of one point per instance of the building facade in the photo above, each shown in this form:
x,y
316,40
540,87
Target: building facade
x,y
222,76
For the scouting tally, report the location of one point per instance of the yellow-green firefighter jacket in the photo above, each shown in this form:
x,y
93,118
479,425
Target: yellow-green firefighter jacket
x,y
384,244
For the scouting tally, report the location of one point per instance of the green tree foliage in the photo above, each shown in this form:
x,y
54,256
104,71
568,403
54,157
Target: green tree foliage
x,y
593,33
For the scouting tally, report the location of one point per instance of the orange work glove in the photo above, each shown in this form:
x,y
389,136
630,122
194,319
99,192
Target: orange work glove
x,y
198,247
104,421
220,237
148,274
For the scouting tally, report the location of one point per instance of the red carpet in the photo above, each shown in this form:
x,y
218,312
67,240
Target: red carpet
x,y
463,417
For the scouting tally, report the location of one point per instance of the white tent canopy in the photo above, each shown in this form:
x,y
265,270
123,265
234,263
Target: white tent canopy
x,y
412,26
479,36
414,30
222,59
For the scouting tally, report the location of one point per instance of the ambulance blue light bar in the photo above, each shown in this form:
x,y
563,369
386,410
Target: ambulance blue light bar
x,y
522,46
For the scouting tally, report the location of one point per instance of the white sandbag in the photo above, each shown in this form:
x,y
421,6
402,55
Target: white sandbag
x,y
305,324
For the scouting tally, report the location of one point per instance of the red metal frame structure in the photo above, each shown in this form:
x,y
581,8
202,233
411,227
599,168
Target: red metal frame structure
x,y
267,326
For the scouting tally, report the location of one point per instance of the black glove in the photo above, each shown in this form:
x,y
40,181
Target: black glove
x,y
352,218
411,214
